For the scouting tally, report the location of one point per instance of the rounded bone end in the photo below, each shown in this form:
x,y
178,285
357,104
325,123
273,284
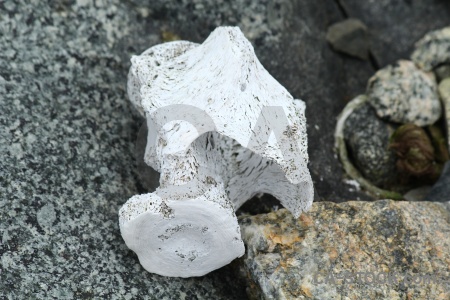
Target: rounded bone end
x,y
180,238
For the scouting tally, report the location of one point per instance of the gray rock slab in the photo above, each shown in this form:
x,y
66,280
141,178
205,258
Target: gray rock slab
x,y
67,142
395,26
357,250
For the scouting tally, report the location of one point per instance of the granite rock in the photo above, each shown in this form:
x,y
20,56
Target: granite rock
x,y
433,49
354,250
367,138
403,93
444,93
441,189
67,137
396,25
442,72
349,37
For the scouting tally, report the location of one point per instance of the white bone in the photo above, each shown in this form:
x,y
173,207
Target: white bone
x,y
210,111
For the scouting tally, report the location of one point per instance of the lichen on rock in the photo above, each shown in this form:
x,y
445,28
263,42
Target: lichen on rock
x,y
361,250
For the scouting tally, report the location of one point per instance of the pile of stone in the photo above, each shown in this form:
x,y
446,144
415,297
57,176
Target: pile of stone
x,y
394,134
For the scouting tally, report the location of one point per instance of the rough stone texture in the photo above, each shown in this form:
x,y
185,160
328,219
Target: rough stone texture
x,y
395,26
433,49
349,37
67,165
444,94
368,139
403,241
403,93
441,189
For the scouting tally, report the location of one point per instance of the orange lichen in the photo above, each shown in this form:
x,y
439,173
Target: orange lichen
x,y
306,220
306,291
285,239
332,253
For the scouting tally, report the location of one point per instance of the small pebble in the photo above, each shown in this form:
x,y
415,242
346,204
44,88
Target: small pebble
x,y
433,49
402,93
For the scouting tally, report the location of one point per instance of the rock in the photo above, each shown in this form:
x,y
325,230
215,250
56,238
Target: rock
x,y
442,72
417,194
67,165
403,93
441,189
349,37
367,138
444,93
357,179
396,25
433,49
357,250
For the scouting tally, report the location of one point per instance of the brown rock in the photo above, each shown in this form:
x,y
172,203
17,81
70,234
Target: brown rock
x,y
355,250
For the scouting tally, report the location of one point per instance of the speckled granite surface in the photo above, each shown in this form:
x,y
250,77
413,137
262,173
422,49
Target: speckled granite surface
x,y
402,93
354,250
67,156
367,138
433,49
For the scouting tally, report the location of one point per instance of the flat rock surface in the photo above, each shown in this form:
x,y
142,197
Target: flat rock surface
x,y
67,136
357,250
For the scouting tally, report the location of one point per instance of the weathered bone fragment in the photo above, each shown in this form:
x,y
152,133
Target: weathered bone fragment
x,y
220,130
